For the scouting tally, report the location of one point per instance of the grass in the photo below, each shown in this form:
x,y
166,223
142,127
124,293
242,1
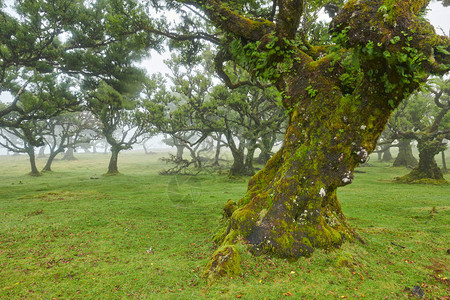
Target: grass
x,y
76,234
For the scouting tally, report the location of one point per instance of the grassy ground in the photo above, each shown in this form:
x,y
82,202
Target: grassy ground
x,y
74,233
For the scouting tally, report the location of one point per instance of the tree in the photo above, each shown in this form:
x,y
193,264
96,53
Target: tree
x,y
243,115
430,132
400,121
23,140
250,115
338,98
31,45
122,122
66,131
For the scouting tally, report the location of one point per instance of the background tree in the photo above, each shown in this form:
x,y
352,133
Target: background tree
x,y
243,116
121,120
31,45
67,130
401,122
24,140
429,111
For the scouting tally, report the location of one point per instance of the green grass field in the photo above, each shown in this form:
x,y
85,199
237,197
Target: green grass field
x,y
75,234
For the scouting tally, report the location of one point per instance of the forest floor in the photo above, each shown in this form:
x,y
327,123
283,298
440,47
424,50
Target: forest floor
x,y
76,234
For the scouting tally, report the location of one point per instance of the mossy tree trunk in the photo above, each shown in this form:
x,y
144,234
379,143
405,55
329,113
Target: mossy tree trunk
x,y
291,206
112,167
427,168
405,157
34,170
249,157
238,167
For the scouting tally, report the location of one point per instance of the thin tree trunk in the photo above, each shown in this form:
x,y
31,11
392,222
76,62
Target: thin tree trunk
x,y
444,163
51,157
112,167
31,155
218,146
145,147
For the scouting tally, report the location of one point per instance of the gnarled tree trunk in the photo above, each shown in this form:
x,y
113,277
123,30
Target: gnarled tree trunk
x,y
427,168
291,206
32,157
112,167
405,157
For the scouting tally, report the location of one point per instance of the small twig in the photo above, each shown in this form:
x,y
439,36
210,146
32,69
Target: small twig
x,y
392,243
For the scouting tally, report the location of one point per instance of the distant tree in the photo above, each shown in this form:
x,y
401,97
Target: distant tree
x,y
67,131
169,113
401,121
251,116
31,45
23,139
429,111
243,115
122,121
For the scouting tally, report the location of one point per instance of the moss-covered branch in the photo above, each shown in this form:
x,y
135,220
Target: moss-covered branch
x,y
229,21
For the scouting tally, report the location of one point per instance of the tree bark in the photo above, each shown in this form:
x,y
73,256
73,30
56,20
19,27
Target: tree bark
x,y
32,156
180,150
444,163
112,167
68,155
266,149
218,146
248,164
238,167
405,157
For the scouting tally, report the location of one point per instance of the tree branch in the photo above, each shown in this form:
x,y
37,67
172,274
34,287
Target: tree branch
x,y
229,21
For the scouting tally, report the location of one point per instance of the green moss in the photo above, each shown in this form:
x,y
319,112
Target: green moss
x,y
244,219
231,238
220,235
224,262
229,208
